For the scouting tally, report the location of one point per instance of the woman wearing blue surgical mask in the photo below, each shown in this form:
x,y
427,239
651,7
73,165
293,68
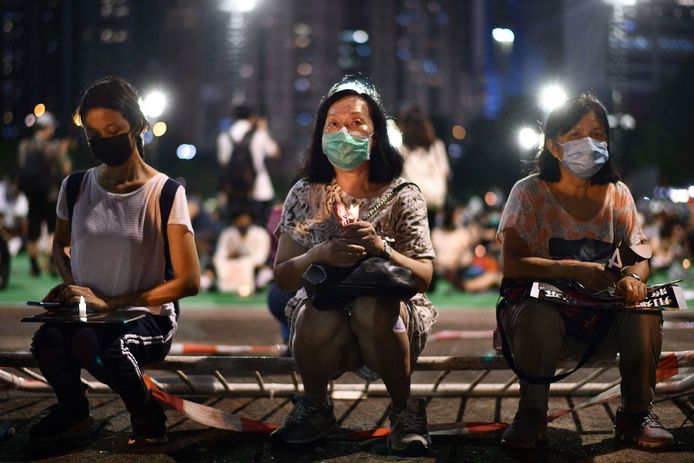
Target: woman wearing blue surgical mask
x,y
563,224
351,164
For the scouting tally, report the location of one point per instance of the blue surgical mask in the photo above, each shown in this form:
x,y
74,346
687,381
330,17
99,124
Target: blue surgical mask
x,y
584,157
345,150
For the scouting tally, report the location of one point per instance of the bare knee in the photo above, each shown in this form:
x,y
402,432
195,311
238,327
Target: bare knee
x,y
318,328
374,315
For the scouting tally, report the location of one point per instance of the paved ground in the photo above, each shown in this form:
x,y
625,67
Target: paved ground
x,y
579,437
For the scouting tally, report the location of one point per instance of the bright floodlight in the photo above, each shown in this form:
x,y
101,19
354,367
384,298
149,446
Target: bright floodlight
x,y
551,96
154,104
186,152
528,138
242,6
503,35
360,36
627,122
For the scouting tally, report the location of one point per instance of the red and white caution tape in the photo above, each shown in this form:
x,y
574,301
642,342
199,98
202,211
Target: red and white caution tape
x,y
449,335
220,419
209,416
189,348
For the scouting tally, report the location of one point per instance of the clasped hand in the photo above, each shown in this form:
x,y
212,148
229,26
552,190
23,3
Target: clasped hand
x,y
70,294
358,240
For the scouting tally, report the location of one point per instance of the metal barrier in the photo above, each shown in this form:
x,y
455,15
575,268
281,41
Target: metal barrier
x,y
211,376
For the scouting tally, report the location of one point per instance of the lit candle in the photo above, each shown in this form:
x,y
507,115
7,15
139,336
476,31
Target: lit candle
x,y
82,309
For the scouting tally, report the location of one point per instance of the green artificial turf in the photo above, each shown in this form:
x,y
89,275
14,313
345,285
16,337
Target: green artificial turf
x,y
22,287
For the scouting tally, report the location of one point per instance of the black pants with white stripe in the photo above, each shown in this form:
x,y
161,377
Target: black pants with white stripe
x,y
112,354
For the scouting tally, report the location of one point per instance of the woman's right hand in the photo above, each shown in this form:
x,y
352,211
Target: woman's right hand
x,y
339,253
593,275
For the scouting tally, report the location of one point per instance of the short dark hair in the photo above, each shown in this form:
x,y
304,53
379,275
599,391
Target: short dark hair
x,y
118,94
243,111
560,121
385,163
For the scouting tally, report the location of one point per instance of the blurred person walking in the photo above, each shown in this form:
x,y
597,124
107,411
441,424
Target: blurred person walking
x,y
241,153
42,162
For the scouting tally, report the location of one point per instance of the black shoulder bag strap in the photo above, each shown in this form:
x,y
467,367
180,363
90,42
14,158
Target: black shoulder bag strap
x,y
600,331
166,199
72,190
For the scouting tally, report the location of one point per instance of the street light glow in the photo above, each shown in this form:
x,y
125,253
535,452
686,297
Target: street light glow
x,y
503,35
186,152
159,129
551,96
154,104
241,6
528,138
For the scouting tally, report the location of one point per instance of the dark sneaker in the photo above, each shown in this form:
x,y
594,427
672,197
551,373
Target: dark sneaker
x,y
642,428
305,423
529,428
149,424
409,431
61,420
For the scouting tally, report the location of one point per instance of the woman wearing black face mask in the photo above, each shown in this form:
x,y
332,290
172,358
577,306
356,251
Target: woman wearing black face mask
x,y
116,230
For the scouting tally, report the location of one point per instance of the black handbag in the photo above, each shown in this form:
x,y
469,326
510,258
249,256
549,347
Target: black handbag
x,y
331,288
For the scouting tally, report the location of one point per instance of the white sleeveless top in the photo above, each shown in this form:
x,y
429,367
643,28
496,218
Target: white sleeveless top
x,y
116,244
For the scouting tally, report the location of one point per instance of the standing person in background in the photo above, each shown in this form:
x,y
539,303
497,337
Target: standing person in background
x,y
426,160
248,133
125,252
42,162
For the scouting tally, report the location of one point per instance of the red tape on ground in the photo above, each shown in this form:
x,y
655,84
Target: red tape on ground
x,y
221,419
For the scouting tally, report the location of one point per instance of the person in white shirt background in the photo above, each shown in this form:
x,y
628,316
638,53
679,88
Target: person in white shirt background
x,y
262,147
240,259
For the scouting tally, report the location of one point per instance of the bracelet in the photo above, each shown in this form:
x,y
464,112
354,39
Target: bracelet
x,y
633,275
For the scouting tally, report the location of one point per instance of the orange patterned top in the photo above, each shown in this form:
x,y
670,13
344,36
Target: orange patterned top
x,y
551,232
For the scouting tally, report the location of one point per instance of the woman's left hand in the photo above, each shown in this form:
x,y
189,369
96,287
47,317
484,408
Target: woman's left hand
x,y
71,295
632,289
363,234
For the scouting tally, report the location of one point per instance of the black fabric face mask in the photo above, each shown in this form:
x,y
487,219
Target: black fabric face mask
x,y
112,151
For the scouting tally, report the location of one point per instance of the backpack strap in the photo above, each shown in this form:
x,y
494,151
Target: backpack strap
x,y
245,140
166,199
72,190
